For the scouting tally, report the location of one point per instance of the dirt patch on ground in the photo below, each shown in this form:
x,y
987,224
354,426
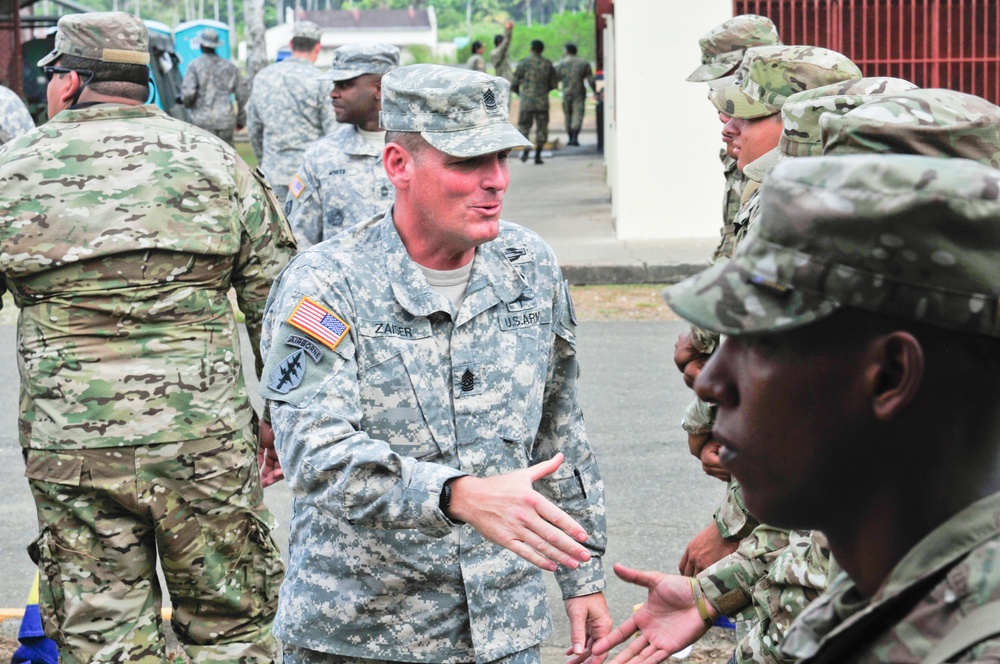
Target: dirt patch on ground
x,y
620,302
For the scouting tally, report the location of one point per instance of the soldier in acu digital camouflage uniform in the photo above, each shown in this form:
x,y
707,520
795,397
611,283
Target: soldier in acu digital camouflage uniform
x,y
857,393
341,180
289,109
421,374
574,72
210,85
14,116
534,78
124,229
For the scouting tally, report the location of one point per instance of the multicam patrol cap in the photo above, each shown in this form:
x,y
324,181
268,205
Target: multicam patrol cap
x,y
209,38
307,30
902,235
102,36
801,113
460,112
934,122
722,48
769,75
353,60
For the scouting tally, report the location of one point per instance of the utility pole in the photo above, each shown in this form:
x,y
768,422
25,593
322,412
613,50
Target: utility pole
x,y
528,5
468,19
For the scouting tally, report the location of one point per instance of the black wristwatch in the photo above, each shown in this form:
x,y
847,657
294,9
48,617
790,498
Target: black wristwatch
x,y
445,501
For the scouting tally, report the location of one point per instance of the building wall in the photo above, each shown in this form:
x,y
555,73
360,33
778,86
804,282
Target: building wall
x,y
665,174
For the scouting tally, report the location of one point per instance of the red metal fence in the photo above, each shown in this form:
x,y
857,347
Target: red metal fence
x,y
933,43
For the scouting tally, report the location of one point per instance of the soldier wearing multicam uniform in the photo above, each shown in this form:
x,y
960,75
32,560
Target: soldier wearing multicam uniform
x,y
341,180
722,50
14,116
124,229
498,56
210,85
289,109
421,374
574,71
534,78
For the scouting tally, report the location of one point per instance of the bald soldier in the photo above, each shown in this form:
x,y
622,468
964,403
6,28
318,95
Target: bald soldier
x,y
864,310
421,379
124,229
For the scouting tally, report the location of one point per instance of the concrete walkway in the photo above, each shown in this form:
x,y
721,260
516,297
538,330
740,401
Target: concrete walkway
x,y
566,200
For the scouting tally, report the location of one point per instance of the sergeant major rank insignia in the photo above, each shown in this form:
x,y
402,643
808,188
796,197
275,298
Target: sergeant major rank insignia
x,y
490,100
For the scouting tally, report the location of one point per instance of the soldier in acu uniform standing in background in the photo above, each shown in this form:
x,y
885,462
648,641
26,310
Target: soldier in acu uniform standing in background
x,y
574,72
289,109
341,180
501,47
421,375
124,230
210,85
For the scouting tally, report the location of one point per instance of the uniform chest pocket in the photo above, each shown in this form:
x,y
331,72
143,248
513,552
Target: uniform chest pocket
x,y
392,410
528,350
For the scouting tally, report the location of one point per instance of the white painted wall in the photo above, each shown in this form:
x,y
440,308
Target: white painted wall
x,y
665,174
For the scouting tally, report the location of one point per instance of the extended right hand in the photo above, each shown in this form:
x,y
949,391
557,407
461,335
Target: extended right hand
x,y
507,510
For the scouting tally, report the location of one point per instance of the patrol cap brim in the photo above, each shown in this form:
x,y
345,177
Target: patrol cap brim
x,y
711,71
734,298
341,74
477,140
53,55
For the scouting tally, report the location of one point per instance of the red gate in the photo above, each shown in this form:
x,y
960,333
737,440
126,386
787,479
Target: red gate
x,y
933,43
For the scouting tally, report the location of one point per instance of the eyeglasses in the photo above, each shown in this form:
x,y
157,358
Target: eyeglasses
x,y
52,71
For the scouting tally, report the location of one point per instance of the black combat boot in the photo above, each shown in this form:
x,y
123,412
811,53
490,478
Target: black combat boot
x,y
525,154
538,156
573,138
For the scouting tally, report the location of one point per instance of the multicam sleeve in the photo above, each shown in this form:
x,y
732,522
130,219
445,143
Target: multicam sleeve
x,y
266,246
729,583
732,517
576,487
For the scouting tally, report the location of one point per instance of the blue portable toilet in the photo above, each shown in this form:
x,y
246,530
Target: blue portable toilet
x,y
186,35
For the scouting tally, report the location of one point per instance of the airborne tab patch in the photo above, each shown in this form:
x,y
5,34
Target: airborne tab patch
x,y
296,186
318,323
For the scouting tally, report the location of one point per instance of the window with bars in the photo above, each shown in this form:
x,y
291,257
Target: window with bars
x,y
933,43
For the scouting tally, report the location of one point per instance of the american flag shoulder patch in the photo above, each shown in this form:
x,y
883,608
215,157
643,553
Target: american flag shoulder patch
x,y
296,186
318,323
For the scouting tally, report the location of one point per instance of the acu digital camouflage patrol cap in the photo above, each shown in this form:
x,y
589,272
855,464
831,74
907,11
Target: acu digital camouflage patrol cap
x,y
933,122
307,30
769,75
102,36
353,60
801,113
460,112
902,235
723,47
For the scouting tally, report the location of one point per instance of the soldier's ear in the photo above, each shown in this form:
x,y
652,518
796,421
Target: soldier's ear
x,y
397,162
378,90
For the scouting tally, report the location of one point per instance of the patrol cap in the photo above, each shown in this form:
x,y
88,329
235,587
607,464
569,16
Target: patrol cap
x,y
460,112
307,30
102,36
722,48
353,60
769,75
933,122
800,117
209,37
906,236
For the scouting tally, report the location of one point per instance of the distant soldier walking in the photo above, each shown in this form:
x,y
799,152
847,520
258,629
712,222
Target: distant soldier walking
x,y
533,80
574,72
289,109
210,85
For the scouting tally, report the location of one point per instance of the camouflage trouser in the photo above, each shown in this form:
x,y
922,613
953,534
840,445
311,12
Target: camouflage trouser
x,y
541,120
224,134
292,654
104,513
573,109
